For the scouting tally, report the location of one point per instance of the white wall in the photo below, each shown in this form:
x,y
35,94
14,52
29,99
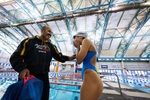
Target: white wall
x,y
111,65
137,66
128,65
67,63
4,56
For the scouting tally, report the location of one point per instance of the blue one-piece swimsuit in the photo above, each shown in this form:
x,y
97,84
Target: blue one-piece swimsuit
x,y
87,63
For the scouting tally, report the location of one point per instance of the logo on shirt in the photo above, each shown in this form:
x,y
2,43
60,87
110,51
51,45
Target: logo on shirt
x,y
42,48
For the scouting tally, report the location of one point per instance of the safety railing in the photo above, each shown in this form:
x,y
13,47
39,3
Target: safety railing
x,y
121,93
102,73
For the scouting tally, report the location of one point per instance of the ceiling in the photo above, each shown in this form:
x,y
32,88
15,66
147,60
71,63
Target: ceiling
x,y
120,29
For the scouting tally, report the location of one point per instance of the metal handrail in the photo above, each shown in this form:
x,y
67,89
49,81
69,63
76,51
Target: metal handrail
x,y
102,73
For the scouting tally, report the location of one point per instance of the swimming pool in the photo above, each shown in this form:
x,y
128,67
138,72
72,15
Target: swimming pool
x,y
66,86
64,92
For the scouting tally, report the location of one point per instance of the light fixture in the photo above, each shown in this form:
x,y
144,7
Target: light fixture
x,y
14,24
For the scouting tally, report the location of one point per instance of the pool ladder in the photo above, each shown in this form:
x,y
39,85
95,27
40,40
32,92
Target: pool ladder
x,y
122,94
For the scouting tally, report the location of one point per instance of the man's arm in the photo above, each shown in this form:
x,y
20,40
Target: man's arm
x,y
60,57
16,59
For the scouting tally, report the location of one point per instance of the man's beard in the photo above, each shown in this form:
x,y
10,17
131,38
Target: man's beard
x,y
47,37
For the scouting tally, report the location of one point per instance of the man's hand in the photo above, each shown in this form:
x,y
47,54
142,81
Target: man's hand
x,y
24,73
72,57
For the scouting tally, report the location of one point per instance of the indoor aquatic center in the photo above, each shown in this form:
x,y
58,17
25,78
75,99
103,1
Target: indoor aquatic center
x,y
119,29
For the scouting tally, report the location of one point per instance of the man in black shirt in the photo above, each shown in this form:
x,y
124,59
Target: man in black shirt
x,y
33,56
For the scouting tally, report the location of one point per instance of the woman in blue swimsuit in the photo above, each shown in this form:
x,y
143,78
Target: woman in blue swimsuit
x,y
92,86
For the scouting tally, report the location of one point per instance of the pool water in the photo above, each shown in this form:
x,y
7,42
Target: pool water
x,y
65,92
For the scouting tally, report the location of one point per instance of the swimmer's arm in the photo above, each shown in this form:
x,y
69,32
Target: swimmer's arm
x,y
82,52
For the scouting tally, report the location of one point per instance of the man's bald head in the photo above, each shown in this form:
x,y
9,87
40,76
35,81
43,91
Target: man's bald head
x,y
46,32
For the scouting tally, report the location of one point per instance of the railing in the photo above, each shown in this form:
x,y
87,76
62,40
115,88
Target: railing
x,y
117,79
122,94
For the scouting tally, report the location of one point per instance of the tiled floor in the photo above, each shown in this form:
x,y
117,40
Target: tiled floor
x,y
137,94
130,92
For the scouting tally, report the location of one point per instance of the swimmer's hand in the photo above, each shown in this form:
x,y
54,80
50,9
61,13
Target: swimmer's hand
x,y
76,44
